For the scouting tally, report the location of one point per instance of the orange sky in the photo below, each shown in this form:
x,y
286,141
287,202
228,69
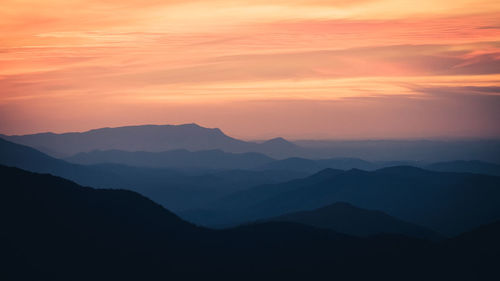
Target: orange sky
x,y
294,68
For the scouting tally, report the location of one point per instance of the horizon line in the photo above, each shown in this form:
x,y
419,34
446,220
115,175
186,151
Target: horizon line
x,y
266,138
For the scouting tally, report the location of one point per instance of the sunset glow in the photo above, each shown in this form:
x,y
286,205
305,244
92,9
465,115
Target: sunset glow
x,y
299,69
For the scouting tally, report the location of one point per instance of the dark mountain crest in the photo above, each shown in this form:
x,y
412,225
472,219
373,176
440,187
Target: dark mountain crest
x,y
357,171
133,204
461,200
346,218
404,169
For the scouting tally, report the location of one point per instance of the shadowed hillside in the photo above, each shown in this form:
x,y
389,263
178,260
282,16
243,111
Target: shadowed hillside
x,y
54,229
175,189
446,202
346,218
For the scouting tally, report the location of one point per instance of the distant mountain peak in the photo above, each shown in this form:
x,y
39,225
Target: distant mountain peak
x,y
279,141
152,138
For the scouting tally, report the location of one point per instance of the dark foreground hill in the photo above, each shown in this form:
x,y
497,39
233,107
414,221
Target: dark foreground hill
x,y
53,229
449,203
346,218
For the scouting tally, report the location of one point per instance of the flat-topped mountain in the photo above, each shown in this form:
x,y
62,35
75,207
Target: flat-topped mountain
x,y
151,138
192,137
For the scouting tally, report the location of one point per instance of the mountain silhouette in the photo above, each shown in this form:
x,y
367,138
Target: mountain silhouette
x,y
30,159
192,137
218,159
316,165
446,202
208,159
55,225
449,203
54,229
249,197
346,218
277,144
182,190
176,189
150,138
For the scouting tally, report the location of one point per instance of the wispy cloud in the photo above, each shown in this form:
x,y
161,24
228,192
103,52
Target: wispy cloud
x,y
199,56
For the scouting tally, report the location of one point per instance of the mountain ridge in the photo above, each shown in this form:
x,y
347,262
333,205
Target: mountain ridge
x,y
151,138
446,202
192,136
179,158
55,229
346,218
173,188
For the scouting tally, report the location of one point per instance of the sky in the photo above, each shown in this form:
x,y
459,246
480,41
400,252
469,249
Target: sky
x,y
301,69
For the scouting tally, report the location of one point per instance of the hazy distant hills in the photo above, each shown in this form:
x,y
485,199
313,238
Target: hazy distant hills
x,y
54,229
407,150
208,159
346,218
313,166
192,137
314,211
447,202
151,138
176,189
217,159
30,159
